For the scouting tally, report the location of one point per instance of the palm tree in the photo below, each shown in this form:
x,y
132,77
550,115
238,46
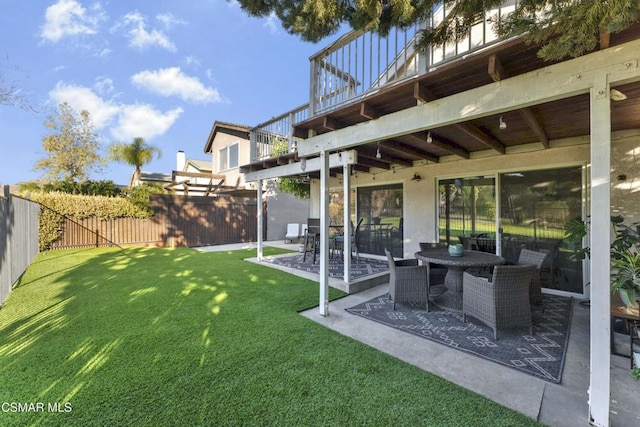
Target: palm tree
x,y
136,154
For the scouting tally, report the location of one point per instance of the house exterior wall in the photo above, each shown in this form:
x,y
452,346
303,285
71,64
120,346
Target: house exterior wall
x,y
233,176
282,209
420,210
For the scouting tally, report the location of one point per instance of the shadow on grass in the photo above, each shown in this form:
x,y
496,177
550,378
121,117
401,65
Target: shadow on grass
x,y
177,336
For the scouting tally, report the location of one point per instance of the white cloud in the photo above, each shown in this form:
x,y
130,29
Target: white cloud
x,y
103,85
140,37
144,121
132,120
169,21
173,82
69,18
82,98
192,61
272,23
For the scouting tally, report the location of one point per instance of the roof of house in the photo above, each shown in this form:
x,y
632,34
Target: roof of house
x,y
241,131
201,165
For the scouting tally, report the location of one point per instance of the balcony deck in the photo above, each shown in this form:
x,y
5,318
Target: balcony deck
x,y
542,123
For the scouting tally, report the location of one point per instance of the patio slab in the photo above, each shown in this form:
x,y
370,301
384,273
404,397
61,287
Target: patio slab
x,y
561,405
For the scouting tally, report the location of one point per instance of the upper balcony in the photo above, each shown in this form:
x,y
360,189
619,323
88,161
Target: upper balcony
x,y
363,76
358,65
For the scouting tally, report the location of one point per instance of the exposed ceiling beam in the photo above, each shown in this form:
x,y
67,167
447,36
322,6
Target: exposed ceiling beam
x,y
478,135
408,150
421,93
497,73
368,112
372,162
436,141
331,123
535,126
387,157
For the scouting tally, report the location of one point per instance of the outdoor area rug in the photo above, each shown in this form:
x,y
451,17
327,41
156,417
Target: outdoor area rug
x,y
364,267
541,354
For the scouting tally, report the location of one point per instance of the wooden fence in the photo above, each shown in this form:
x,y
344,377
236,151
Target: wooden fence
x,y
178,221
18,238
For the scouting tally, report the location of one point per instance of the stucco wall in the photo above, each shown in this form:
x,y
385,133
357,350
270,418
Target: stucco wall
x,y
420,200
233,176
282,209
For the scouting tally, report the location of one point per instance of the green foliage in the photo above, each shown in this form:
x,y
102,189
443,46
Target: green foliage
x,y
216,339
635,373
625,259
71,146
575,230
136,154
140,194
56,204
569,28
88,187
299,188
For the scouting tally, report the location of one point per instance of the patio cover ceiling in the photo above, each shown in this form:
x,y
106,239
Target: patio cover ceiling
x,y
542,123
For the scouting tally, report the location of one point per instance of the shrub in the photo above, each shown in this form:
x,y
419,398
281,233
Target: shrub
x,y
56,205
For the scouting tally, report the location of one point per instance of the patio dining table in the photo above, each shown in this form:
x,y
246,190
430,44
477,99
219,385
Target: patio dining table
x,y
456,266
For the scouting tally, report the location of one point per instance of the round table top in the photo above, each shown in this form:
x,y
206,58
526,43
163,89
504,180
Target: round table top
x,y
468,258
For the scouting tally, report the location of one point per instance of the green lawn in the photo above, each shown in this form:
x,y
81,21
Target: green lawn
x,y
178,337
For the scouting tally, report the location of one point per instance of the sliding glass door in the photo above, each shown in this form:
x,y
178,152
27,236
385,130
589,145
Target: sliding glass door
x,y
534,207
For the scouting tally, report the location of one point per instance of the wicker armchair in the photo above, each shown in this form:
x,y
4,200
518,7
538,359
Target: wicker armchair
x,y
502,302
407,281
529,257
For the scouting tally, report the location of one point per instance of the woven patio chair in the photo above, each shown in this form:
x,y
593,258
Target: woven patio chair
x,y
529,257
503,301
408,281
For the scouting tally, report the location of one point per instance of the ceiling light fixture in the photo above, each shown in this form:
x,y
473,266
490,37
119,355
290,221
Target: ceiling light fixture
x,y
429,139
503,125
378,155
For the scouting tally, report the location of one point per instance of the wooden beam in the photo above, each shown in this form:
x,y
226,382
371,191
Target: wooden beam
x,y
181,174
368,112
436,141
533,123
495,69
331,123
301,133
421,93
410,151
479,136
373,162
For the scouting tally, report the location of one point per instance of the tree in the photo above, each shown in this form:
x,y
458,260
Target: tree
x,y
136,154
563,27
10,93
71,146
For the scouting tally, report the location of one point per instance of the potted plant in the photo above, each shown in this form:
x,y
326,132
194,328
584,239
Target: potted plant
x,y
625,262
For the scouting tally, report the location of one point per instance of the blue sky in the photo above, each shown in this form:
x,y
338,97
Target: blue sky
x,y
162,70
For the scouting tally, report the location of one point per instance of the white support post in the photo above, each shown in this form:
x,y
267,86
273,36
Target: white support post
x,y
324,234
346,221
260,218
599,379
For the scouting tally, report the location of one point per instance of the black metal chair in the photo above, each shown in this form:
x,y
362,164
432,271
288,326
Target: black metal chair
x,y
312,238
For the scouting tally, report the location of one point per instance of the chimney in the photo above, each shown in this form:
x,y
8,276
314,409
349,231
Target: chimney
x,y
180,161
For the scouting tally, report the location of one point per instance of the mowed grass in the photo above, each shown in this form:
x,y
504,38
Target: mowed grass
x,y
177,337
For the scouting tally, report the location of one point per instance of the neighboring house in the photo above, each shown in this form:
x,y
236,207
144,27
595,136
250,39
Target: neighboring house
x,y
477,137
229,146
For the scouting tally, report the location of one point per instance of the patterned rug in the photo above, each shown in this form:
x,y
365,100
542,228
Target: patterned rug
x,y
362,268
541,354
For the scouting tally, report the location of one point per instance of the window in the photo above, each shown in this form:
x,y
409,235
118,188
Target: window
x,y
228,157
